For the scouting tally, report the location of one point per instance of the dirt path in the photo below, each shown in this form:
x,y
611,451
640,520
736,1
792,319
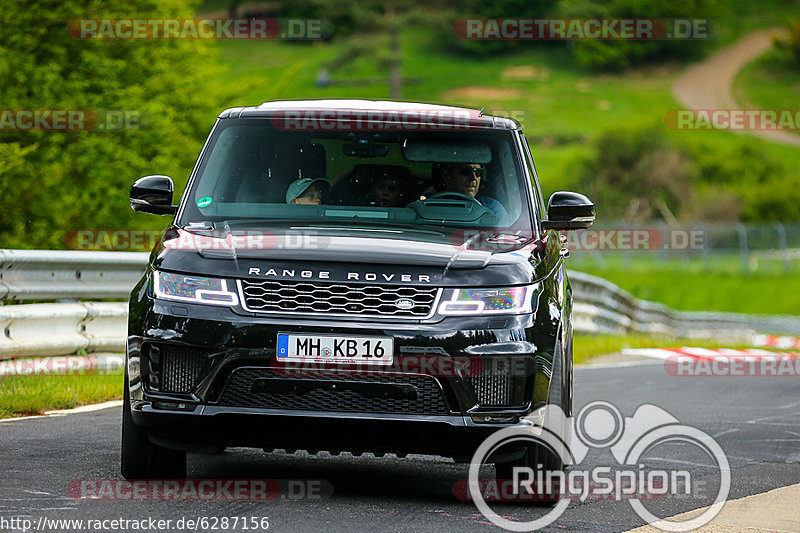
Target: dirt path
x,y
709,84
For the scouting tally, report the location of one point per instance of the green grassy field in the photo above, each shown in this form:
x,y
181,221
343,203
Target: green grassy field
x,y
555,102
562,107
711,291
695,284
33,395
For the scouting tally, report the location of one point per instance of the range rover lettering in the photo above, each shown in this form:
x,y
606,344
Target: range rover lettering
x,y
350,275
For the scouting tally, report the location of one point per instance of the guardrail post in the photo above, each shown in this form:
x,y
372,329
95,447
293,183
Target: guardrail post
x,y
743,249
783,246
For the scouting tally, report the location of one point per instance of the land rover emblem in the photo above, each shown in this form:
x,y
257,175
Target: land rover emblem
x,y
404,303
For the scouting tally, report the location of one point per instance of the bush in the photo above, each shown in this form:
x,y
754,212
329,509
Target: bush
x,y
639,173
341,14
477,9
618,54
768,189
636,173
791,41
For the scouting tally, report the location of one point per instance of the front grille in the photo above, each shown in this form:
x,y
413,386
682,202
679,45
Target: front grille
x,y
337,298
180,367
250,387
493,389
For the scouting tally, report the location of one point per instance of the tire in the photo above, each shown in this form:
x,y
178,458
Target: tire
x,y
140,458
536,455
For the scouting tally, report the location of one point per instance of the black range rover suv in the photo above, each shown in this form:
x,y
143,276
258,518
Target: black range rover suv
x,y
349,275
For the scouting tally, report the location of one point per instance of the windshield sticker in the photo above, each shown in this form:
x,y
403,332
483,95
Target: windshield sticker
x,y
205,201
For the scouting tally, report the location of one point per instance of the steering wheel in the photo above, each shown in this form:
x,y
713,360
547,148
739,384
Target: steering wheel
x,y
452,195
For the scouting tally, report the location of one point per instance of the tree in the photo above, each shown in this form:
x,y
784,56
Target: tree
x,y
377,35
790,41
620,53
57,181
372,30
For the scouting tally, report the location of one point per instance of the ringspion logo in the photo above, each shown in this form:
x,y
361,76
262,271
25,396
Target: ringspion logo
x,y
599,425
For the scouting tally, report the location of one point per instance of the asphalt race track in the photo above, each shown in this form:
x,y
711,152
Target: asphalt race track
x,y
756,421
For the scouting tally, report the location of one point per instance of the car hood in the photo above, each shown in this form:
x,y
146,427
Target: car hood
x,y
407,256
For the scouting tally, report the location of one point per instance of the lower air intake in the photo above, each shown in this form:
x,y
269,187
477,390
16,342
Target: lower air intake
x,y
493,389
180,368
260,387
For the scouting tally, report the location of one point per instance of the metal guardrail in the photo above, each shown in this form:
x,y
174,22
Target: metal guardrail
x,y
64,328
49,274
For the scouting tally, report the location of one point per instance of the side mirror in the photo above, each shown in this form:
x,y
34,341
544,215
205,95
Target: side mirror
x,y
153,194
568,210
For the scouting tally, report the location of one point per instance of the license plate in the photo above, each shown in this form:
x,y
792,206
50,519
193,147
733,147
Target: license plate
x,y
335,349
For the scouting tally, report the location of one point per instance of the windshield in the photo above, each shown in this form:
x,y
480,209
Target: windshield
x,y
254,173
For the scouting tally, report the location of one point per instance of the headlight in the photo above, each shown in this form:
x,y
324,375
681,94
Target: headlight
x,y
509,301
193,289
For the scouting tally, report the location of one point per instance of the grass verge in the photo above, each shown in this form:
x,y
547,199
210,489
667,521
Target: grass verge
x,y
586,346
33,395
771,294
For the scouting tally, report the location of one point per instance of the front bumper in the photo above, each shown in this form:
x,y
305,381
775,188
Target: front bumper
x,y
209,428
449,411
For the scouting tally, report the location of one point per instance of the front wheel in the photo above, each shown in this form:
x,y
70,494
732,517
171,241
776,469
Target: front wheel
x,y
539,457
140,458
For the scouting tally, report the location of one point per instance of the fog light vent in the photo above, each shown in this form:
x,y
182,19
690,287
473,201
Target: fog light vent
x,y
180,367
493,389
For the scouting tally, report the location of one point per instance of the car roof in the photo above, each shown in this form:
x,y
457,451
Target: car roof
x,y
377,110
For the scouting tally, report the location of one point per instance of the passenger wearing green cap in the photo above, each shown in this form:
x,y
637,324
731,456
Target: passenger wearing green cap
x,y
307,191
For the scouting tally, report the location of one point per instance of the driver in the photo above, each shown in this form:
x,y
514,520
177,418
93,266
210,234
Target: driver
x,y
464,178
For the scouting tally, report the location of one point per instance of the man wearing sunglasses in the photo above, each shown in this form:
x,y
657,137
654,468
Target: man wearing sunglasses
x,y
464,178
